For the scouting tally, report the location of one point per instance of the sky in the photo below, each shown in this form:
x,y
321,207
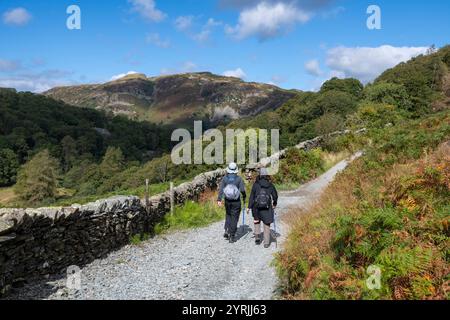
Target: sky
x,y
294,44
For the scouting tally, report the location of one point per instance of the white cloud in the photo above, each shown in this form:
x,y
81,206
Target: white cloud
x,y
205,34
336,74
313,67
309,4
147,9
202,36
277,80
184,23
17,17
366,63
189,66
26,85
37,81
238,73
119,76
155,39
267,20
8,65
213,23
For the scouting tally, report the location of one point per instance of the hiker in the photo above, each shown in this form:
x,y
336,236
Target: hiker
x,y
231,188
263,201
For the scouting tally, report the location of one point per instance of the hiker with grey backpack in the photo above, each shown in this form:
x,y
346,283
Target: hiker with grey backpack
x,y
232,189
262,203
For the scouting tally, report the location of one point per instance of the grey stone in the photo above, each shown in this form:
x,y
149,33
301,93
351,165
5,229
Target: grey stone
x,y
5,226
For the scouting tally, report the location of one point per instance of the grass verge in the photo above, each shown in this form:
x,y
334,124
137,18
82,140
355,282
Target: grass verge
x,y
191,215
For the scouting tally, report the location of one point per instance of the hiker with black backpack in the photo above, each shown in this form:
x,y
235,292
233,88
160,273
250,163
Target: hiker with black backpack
x,y
262,203
231,188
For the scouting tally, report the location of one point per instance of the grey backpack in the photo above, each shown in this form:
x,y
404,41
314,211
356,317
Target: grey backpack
x,y
231,191
263,200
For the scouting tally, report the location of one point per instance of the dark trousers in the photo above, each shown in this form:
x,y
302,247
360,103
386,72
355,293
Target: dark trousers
x,y
233,209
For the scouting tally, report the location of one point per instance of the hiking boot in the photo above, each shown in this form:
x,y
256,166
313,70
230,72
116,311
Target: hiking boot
x,y
232,238
267,246
226,236
257,239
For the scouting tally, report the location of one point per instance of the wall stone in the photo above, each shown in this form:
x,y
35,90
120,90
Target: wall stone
x,y
36,242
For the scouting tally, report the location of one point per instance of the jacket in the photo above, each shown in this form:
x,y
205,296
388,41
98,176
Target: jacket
x,y
238,182
267,216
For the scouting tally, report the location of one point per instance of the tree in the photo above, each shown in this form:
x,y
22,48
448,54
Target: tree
x,y
69,152
377,115
335,101
329,123
388,93
9,165
162,168
37,179
350,86
432,49
113,162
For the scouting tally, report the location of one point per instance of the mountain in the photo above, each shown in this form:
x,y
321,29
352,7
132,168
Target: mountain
x,y
176,99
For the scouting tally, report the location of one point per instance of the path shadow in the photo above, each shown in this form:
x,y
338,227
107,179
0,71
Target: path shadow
x,y
35,289
274,237
243,231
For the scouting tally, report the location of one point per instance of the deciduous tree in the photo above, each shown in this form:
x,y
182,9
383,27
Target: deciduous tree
x,y
37,179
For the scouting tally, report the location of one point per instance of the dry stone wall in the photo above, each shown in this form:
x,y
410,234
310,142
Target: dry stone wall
x,y
38,242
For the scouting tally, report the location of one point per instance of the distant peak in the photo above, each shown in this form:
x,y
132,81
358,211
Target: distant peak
x,y
131,76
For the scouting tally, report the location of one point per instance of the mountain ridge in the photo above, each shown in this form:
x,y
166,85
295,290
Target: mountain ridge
x,y
176,99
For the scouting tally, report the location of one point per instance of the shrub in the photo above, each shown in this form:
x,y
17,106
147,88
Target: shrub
x,y
376,115
299,166
389,94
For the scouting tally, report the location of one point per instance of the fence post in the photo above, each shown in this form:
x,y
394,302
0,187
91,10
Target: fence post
x,y
172,200
146,228
146,194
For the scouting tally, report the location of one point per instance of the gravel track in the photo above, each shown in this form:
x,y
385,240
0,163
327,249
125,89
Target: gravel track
x,y
195,264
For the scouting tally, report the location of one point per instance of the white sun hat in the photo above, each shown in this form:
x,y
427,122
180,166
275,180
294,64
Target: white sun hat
x,y
232,168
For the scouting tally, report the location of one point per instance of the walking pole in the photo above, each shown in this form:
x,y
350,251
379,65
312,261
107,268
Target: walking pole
x,y
243,220
275,227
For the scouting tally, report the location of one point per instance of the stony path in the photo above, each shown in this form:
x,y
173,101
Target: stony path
x,y
194,264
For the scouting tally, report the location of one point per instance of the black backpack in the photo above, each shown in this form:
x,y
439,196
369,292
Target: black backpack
x,y
263,199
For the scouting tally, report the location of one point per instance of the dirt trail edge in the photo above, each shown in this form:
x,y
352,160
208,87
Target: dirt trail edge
x,y
194,264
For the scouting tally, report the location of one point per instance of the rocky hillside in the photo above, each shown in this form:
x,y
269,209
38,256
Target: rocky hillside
x,y
176,99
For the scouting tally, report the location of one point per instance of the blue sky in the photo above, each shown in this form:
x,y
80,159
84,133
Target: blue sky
x,y
290,43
